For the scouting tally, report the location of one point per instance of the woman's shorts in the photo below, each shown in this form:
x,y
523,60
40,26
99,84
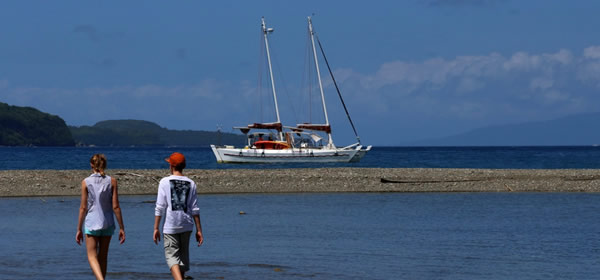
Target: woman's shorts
x,y
101,232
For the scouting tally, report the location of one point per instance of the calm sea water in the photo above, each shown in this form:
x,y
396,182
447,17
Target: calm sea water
x,y
404,157
326,236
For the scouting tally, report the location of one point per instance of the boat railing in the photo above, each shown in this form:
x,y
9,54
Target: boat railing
x,y
351,146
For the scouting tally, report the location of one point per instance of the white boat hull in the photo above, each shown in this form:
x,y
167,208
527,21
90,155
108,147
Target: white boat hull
x,y
360,154
242,155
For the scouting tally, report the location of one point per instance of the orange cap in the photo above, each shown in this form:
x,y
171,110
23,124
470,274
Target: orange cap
x,y
176,159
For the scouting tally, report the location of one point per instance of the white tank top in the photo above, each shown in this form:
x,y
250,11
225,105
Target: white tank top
x,y
100,208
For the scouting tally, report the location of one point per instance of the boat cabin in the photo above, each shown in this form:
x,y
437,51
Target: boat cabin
x,y
271,145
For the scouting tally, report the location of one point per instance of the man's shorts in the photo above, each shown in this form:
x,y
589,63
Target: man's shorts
x,y
101,232
177,250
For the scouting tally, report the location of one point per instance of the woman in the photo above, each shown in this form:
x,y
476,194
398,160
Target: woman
x,y
99,201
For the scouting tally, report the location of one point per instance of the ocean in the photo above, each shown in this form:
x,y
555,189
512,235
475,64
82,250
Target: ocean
x,y
564,157
324,235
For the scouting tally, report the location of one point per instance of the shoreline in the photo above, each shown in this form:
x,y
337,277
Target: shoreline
x,y
31,183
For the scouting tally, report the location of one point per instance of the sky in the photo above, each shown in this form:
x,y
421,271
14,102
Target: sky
x,y
408,70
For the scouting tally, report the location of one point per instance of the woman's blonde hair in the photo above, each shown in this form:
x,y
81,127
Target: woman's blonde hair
x,y
98,162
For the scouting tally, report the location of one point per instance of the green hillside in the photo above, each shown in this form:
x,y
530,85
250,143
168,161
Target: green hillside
x,y
144,133
26,126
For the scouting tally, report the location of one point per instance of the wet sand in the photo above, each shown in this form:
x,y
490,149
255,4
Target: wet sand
x,y
68,182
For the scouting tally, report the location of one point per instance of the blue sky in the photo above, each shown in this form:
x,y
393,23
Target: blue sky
x,y
408,70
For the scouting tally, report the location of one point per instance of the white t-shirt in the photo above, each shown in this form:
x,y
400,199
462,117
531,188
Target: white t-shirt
x,y
177,201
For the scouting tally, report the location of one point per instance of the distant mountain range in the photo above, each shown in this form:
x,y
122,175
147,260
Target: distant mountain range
x,y
574,130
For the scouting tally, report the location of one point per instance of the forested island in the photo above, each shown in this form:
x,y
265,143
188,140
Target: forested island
x,y
26,126
145,133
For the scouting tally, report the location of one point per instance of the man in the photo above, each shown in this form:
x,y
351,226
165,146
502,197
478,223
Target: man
x,y
177,201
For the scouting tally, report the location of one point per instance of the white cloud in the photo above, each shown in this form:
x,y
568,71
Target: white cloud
x,y
563,56
469,84
592,52
522,61
541,83
470,72
536,83
589,70
433,73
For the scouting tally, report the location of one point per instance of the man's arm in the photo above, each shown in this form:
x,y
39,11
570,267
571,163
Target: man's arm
x,y
159,210
199,236
156,235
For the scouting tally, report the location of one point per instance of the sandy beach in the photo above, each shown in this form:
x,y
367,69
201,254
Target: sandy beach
x,y
68,182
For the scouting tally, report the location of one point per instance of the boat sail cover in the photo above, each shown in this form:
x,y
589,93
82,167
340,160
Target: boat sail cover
x,y
274,125
318,127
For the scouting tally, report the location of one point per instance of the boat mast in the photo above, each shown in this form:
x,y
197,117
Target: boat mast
x,y
312,39
265,32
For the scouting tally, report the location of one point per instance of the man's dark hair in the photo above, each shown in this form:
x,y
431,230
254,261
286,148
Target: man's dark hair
x,y
179,167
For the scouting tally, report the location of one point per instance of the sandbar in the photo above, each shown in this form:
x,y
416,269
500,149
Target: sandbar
x,y
312,180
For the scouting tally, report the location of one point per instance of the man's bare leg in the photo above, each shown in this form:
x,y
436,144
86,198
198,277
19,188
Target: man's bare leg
x,y
176,272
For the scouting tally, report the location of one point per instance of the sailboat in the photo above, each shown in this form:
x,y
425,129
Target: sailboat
x,y
272,142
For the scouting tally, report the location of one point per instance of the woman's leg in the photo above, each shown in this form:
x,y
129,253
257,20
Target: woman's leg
x,y
103,253
91,244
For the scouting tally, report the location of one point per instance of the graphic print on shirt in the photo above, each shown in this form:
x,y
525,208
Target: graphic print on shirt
x,y
179,195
